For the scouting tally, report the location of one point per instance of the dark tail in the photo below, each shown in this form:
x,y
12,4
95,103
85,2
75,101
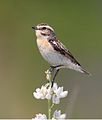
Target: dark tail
x,y
84,71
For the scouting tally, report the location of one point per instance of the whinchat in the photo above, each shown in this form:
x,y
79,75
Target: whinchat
x,y
53,51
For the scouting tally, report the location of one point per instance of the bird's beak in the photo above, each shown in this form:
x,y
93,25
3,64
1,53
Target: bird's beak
x,y
34,28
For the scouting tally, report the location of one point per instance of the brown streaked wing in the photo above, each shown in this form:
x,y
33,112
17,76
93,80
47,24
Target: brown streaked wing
x,y
59,47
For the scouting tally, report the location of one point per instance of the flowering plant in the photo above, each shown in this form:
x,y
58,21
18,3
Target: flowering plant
x,y
53,94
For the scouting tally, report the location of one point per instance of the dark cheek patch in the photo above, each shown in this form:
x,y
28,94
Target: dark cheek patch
x,y
44,34
47,33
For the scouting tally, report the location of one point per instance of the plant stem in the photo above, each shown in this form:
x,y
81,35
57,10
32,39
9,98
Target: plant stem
x,y
49,109
48,76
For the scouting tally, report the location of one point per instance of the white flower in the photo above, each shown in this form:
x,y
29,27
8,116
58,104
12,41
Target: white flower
x,y
43,93
58,93
57,115
46,92
48,75
40,117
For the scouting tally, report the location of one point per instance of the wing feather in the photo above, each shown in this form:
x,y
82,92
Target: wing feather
x,y
59,47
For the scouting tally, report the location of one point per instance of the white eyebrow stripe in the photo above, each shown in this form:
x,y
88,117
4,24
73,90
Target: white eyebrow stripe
x,y
46,27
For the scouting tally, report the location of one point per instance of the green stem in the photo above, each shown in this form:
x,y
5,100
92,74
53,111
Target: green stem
x,y
52,105
49,109
48,73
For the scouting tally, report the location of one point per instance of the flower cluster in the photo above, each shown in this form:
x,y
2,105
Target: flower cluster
x,y
43,93
53,94
46,92
40,117
56,116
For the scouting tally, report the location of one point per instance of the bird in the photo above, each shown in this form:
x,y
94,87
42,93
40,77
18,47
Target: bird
x,y
54,51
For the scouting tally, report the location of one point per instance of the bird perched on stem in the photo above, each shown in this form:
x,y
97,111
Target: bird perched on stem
x,y
53,51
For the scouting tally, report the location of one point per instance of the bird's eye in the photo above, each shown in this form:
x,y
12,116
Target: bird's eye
x,y
43,28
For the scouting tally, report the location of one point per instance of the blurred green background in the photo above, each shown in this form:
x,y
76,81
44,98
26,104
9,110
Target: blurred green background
x,y
78,24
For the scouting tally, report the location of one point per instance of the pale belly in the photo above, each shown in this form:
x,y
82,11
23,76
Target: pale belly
x,y
53,58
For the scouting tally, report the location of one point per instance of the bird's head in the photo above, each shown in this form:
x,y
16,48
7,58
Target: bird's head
x,y
43,30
